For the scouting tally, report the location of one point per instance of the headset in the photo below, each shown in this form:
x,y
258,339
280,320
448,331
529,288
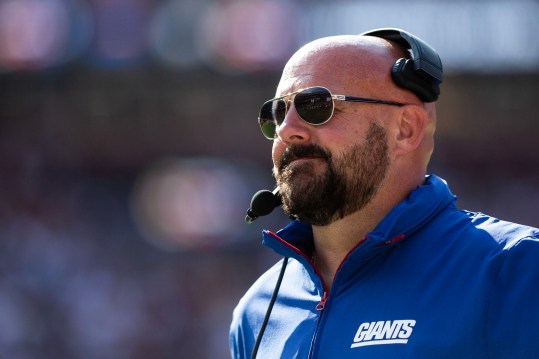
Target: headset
x,y
423,72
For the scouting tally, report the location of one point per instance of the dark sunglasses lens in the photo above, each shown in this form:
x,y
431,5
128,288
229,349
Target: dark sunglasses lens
x,y
268,128
271,115
314,105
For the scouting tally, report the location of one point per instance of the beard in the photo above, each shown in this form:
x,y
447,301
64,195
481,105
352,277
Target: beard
x,y
347,182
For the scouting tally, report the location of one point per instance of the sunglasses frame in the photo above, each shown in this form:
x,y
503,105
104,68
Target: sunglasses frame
x,y
334,98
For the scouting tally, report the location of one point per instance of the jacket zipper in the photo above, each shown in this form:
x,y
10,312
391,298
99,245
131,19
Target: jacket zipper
x,y
322,304
320,308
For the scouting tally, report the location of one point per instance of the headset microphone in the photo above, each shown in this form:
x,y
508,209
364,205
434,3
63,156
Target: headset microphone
x,y
263,203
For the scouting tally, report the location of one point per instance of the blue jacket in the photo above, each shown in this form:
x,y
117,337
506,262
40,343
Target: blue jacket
x,y
430,281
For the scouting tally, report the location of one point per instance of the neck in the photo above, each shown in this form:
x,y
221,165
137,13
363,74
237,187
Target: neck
x,y
333,242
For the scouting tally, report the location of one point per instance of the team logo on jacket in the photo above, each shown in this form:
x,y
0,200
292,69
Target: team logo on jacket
x,y
383,332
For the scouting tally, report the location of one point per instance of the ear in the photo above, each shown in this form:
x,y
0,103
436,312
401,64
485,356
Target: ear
x,y
411,127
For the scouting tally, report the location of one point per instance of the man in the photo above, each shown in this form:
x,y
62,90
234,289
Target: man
x,y
379,262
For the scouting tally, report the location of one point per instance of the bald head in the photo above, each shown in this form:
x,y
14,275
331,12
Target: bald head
x,y
361,65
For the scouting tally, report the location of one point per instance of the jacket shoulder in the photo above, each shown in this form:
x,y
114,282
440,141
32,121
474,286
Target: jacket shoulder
x,y
514,294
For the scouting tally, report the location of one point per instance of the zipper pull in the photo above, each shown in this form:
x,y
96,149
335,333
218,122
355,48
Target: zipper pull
x,y
320,306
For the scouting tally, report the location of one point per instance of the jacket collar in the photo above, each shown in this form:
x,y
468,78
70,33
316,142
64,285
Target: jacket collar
x,y
425,202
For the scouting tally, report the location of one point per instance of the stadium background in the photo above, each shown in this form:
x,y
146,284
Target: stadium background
x,y
129,152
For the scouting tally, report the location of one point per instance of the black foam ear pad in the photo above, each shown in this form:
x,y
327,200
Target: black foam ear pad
x,y
405,76
423,72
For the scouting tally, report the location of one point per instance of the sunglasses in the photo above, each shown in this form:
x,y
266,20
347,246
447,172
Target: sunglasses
x,y
314,105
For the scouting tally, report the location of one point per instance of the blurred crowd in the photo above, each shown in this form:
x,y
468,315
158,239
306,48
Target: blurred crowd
x,y
78,281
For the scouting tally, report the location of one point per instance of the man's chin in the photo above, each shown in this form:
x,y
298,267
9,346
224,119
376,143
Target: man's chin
x,y
305,168
301,184
310,161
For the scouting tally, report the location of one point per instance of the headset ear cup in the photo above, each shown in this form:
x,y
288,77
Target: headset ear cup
x,y
423,72
399,72
405,76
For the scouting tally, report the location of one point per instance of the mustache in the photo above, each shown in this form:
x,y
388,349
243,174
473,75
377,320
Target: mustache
x,y
294,152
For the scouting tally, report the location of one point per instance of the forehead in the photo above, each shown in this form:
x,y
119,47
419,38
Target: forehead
x,y
339,63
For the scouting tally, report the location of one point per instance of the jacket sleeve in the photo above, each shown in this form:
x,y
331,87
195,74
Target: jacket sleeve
x,y
512,319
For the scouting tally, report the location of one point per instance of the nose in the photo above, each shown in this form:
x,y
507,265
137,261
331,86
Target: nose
x,y
293,129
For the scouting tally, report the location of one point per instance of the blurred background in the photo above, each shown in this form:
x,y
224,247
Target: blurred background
x,y
129,152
